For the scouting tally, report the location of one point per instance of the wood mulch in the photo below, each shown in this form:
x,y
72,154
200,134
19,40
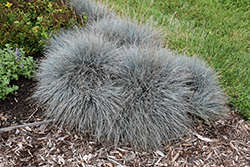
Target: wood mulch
x,y
223,143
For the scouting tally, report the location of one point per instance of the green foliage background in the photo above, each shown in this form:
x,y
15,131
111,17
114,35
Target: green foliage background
x,y
14,63
24,28
216,30
25,24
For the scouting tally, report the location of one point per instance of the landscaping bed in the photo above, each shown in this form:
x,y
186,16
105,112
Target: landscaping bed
x,y
27,138
224,143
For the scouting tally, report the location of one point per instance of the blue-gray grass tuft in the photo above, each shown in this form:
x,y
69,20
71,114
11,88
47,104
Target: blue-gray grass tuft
x,y
115,81
154,95
93,10
74,82
127,32
208,98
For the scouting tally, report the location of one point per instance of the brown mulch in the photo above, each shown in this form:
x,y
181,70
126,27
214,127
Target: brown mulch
x,y
223,143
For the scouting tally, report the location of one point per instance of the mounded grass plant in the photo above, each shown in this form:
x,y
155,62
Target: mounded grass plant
x,y
164,94
93,10
155,97
74,82
209,101
113,80
143,95
127,32
119,29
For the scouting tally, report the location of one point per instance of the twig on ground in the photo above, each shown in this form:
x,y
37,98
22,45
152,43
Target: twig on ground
x,y
25,125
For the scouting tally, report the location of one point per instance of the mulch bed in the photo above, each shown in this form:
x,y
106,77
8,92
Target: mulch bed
x,y
223,143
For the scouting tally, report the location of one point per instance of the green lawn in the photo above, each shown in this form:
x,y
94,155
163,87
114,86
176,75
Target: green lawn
x,y
217,30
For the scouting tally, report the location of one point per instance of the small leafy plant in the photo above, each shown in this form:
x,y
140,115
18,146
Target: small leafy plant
x,y
27,24
13,64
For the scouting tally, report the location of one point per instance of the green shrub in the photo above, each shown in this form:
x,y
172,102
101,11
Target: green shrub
x,y
24,24
13,64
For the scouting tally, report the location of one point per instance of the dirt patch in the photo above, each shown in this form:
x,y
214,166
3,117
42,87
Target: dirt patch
x,y
16,109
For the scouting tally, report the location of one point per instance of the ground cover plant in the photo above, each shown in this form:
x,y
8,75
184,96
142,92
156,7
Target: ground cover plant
x,y
14,64
25,24
217,31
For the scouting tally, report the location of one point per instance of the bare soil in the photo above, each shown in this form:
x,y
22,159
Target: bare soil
x,y
16,109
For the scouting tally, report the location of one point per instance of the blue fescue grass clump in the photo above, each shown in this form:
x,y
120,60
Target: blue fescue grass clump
x,y
119,29
163,94
145,96
74,82
114,80
127,32
208,99
154,95
93,10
